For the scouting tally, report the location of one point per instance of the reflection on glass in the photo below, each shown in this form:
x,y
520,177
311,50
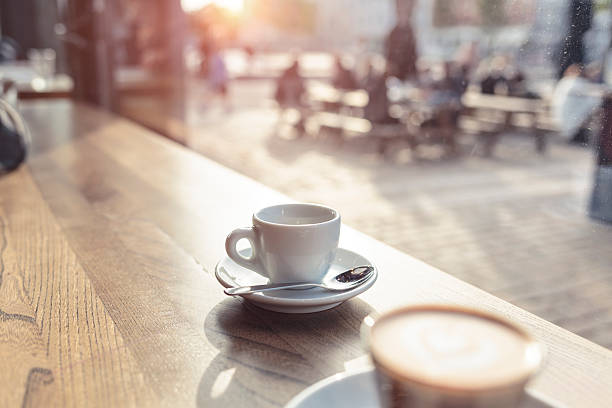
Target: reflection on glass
x,y
473,135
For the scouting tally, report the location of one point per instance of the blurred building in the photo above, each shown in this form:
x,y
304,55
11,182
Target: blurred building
x,y
346,22
39,32
316,24
540,49
442,25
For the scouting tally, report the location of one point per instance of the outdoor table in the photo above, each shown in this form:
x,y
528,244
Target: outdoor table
x,y
503,103
328,95
109,237
536,112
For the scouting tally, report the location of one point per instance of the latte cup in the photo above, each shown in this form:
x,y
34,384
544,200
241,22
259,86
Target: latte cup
x,y
434,356
289,242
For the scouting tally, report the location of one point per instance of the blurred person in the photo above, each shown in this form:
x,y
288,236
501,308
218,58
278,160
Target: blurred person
x,y
343,77
377,109
400,46
467,56
571,48
290,90
575,100
290,87
446,92
249,52
425,73
500,75
493,79
489,83
371,75
218,77
363,58
443,99
516,81
517,84
445,84
454,81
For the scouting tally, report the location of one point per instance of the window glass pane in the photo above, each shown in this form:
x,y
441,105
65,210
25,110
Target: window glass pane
x,y
471,134
474,135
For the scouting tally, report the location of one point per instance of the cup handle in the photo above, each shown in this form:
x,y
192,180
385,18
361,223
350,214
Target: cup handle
x,y
230,247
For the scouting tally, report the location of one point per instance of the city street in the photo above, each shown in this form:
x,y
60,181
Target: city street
x,y
514,224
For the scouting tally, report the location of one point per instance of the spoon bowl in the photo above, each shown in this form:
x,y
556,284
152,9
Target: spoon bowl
x,y
343,281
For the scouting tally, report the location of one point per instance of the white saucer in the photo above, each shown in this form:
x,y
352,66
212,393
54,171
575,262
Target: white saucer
x,y
230,274
358,390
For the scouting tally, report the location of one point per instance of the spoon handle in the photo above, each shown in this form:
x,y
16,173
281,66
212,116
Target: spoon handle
x,y
246,290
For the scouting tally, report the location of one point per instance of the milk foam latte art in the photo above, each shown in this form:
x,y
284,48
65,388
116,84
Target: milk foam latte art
x,y
438,355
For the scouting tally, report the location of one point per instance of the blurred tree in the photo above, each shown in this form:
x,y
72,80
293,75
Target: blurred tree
x,y
400,45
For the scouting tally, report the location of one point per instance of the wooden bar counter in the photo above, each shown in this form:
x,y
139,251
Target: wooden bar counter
x,y
109,236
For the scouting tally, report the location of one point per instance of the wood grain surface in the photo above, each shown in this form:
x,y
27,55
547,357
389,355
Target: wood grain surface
x,y
108,241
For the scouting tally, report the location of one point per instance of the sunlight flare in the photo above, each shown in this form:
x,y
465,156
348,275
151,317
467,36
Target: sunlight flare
x,y
235,6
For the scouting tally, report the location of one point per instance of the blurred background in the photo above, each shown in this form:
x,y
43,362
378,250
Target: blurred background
x,y
473,135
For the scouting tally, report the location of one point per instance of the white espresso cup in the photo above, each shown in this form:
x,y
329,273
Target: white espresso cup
x,y
289,242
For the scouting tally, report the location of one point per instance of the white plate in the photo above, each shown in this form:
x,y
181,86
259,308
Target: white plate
x,y
230,274
358,390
